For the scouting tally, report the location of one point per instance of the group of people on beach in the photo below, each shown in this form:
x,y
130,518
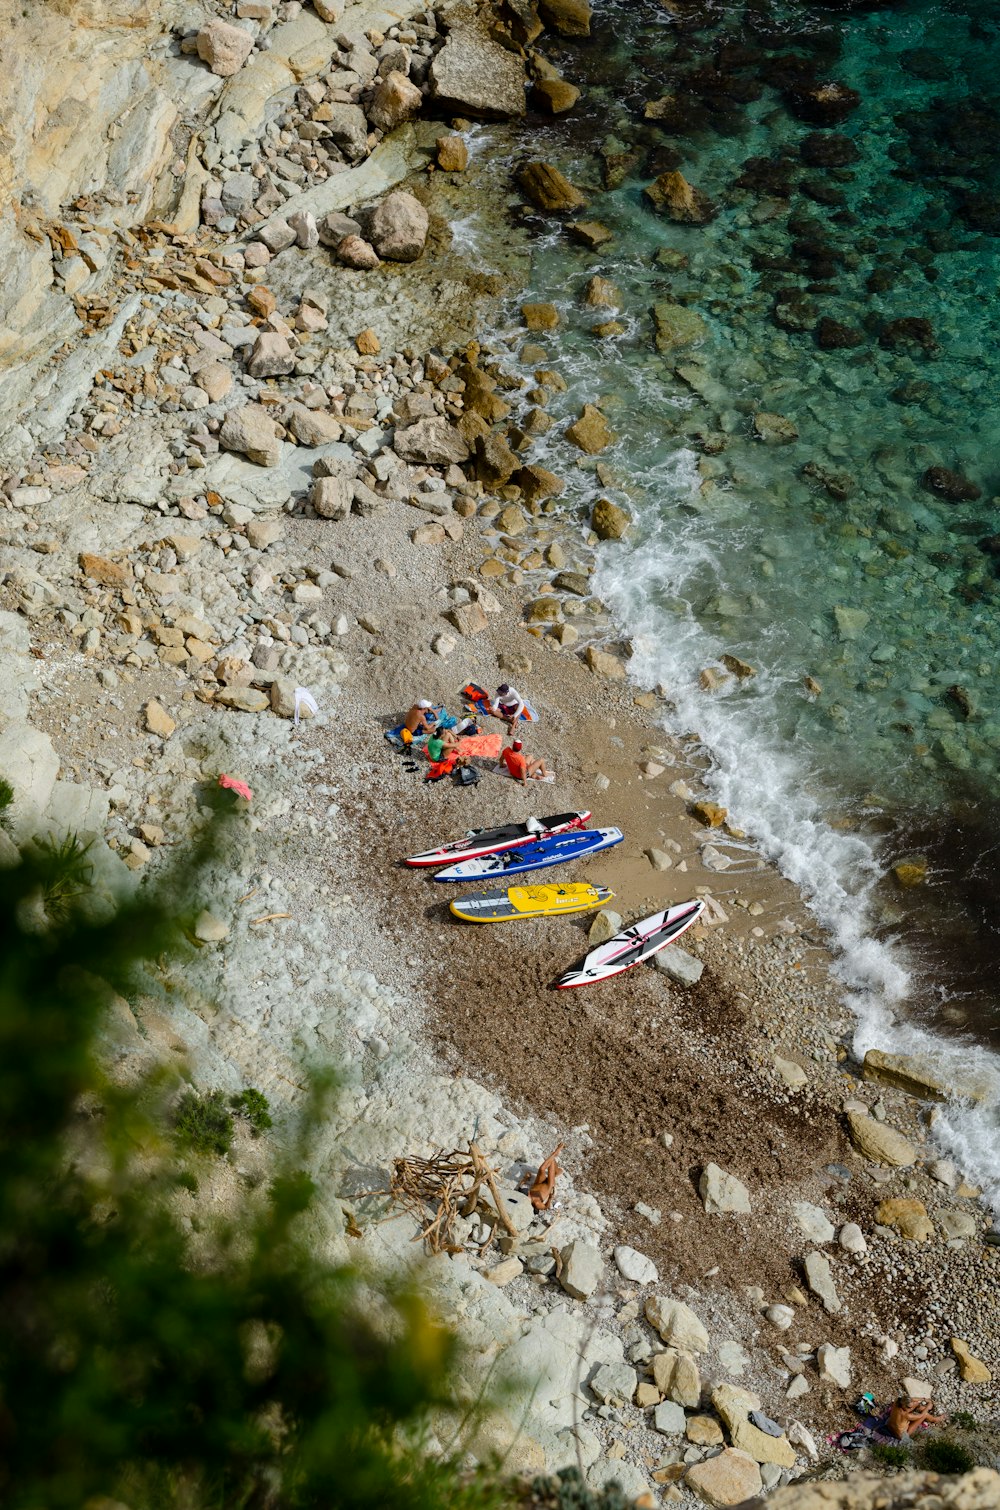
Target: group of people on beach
x,y
443,745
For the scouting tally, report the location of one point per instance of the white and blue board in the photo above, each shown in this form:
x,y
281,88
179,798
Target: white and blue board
x,y
559,850
638,942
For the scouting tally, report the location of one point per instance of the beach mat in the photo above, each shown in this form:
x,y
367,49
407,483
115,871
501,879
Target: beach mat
x,y
483,746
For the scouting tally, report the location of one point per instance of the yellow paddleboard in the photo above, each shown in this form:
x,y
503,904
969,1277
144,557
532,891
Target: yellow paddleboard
x,y
512,902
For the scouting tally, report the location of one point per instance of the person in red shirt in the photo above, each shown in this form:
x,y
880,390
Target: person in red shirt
x,y
522,767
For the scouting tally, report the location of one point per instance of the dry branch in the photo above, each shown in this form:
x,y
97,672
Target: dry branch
x,y
438,1190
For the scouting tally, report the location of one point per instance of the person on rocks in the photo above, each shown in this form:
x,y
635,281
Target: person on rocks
x,y
542,1191
507,704
522,767
909,1414
421,718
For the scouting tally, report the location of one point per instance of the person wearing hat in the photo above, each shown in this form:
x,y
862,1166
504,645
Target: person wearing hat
x,y
521,766
421,718
507,704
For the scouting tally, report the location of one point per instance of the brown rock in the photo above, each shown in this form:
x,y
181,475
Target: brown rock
x,y
354,251
608,521
602,663
452,154
910,872
673,196
972,1370
676,1375
107,573
158,720
591,432
742,670
601,293
313,427
215,380
881,1144
368,343
430,533
262,301
727,1479
909,1217
252,431
395,100
468,618
547,188
709,813
540,316
589,233
703,1431
570,18
245,699
605,329
537,483
555,95
223,47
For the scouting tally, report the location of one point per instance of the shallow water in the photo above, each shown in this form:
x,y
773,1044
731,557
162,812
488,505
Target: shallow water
x,y
828,557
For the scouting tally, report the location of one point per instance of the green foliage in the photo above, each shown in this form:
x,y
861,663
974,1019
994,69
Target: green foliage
x,y
6,794
567,1491
942,1455
250,1374
254,1108
203,1124
965,1420
68,873
892,1454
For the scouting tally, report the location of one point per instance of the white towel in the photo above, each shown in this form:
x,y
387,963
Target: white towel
x,y
304,699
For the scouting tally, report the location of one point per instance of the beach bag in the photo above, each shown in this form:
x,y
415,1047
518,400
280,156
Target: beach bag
x,y
466,776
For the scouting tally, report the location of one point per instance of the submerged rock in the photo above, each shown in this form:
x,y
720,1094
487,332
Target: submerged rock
x,y
677,325
825,104
548,189
951,485
680,201
774,429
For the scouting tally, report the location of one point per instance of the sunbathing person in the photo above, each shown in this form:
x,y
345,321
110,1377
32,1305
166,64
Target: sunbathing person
x,y
521,766
421,718
908,1414
543,1187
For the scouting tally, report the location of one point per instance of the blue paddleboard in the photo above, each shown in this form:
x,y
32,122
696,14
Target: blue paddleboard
x,y
558,850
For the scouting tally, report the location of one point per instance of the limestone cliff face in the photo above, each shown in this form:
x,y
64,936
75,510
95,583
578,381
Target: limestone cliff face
x,y
978,1490
88,109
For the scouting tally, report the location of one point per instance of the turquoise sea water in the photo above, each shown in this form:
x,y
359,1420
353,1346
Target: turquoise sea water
x,y
830,557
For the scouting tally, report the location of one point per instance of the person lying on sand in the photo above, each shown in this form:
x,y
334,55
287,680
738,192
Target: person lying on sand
x,y
908,1415
521,766
507,704
421,718
543,1188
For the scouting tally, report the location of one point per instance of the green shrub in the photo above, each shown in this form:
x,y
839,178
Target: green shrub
x,y
891,1454
187,1181
942,1455
203,1123
965,1420
68,873
6,794
253,1107
566,1490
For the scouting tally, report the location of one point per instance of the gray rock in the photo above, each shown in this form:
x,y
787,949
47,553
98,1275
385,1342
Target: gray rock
x,y
473,75
615,1384
957,1224
635,1266
791,1073
852,1239
658,859
721,1193
239,192
582,1269
679,966
433,440
348,128
398,227
334,227
813,1222
834,1364
271,356
604,927
303,223
669,1418
276,235
820,1281
331,497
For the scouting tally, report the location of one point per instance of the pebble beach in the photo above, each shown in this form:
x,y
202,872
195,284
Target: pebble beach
x,y
270,427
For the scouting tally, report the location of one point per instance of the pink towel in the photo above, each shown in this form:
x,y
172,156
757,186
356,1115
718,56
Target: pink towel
x,y
485,745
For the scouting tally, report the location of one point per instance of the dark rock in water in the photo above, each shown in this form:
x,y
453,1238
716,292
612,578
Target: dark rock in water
x,y
822,191
772,176
793,310
990,545
914,392
825,104
960,700
664,159
838,484
951,485
832,336
981,211
828,149
911,330
789,71
881,280
927,63
617,162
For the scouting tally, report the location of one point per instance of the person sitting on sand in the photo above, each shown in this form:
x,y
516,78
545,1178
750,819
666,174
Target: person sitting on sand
x,y
421,718
507,704
442,744
543,1187
521,766
908,1414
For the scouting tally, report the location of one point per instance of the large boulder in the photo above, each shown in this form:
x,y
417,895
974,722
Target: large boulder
x,y
733,1407
727,1479
395,100
223,47
433,441
921,1078
608,521
677,325
397,228
570,18
591,432
473,75
548,189
880,1143
252,432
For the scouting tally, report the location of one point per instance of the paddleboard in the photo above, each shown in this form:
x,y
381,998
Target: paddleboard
x,y
485,841
633,945
529,902
555,851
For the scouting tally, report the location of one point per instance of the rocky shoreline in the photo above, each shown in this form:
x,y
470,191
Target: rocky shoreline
x,y
264,461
